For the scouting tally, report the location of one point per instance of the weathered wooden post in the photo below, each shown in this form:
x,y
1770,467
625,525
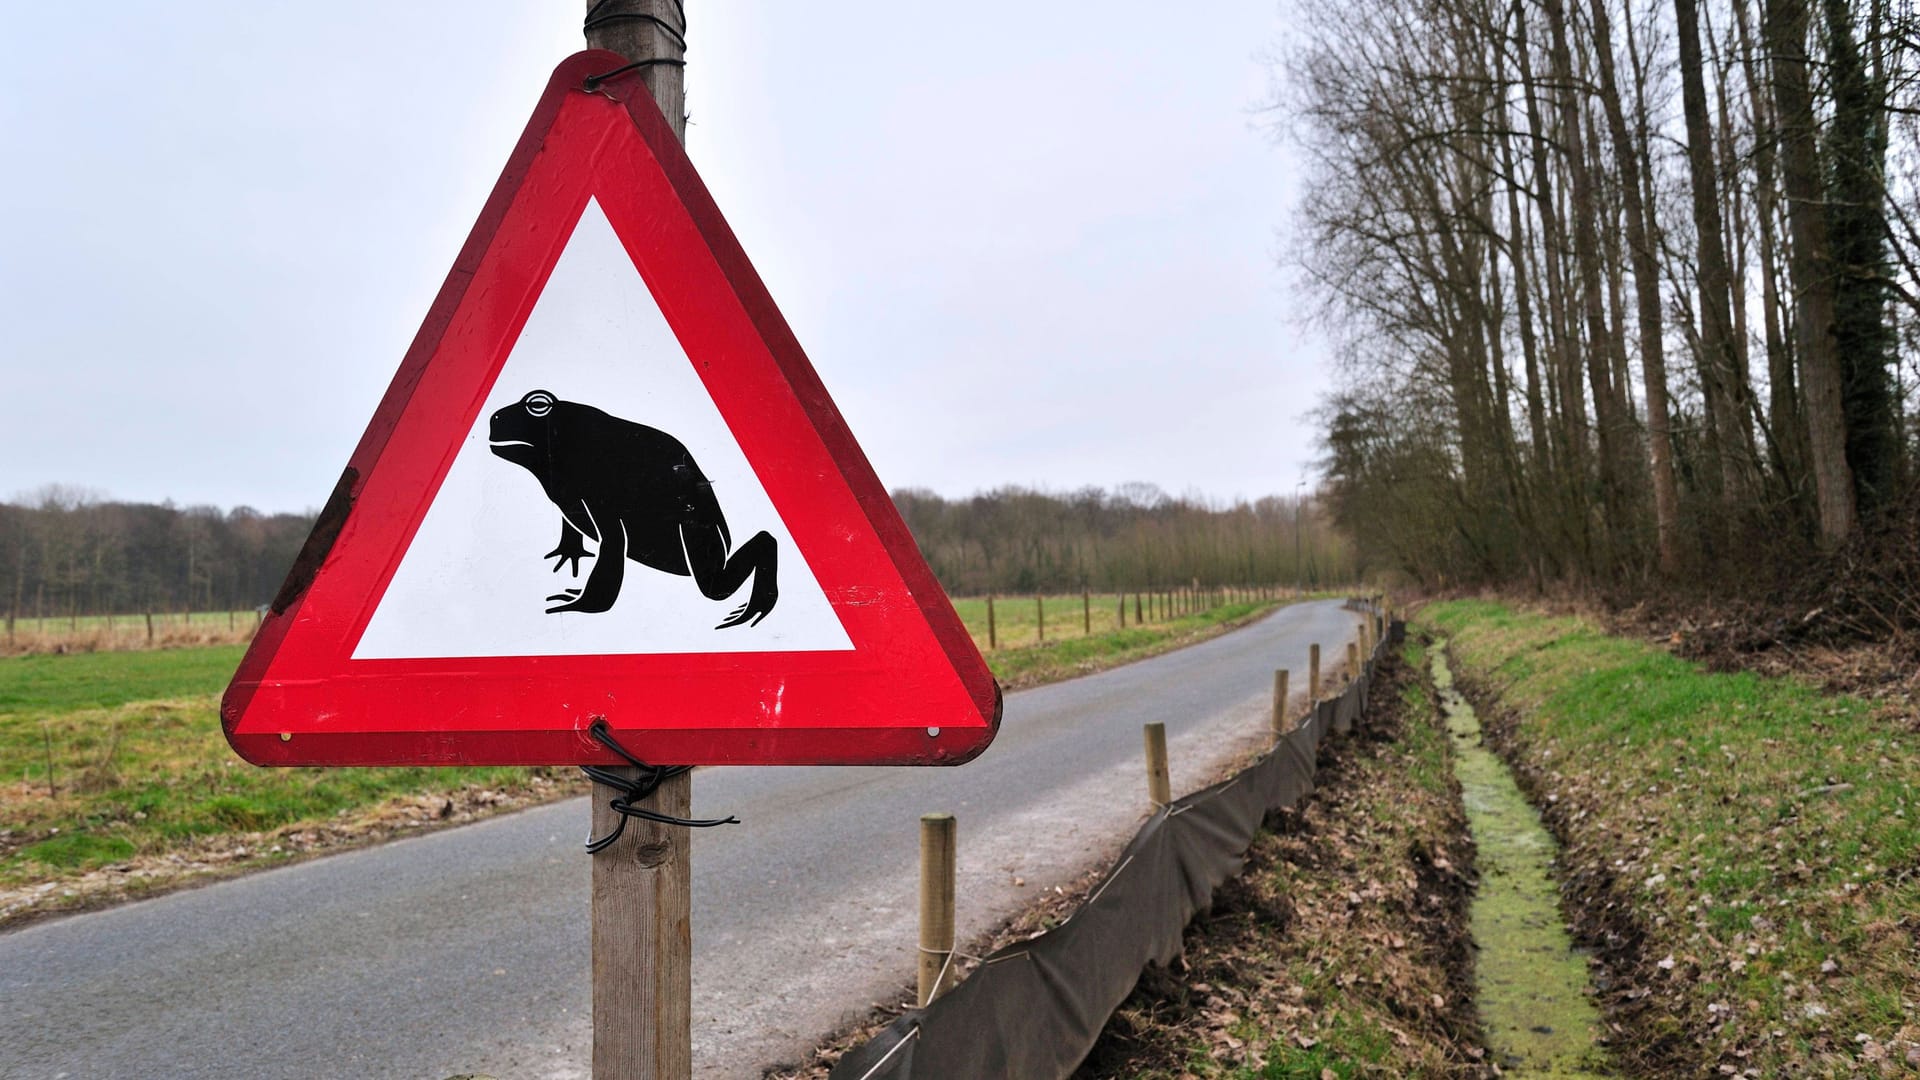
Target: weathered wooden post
x,y
1313,673
993,635
642,889
936,906
1353,660
1121,616
1040,616
1086,611
1280,724
1159,782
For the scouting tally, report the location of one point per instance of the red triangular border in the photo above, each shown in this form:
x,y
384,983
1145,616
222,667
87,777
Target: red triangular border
x,y
914,689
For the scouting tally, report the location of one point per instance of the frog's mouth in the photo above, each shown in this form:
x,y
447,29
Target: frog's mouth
x,y
518,451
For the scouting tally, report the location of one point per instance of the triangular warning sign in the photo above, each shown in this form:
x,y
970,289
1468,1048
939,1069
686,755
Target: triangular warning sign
x,y
607,484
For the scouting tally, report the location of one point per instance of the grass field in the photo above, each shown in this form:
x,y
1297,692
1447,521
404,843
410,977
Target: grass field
x,y
114,774
116,759
1754,838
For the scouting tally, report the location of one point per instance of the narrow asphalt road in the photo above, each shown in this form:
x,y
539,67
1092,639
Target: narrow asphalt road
x,y
466,950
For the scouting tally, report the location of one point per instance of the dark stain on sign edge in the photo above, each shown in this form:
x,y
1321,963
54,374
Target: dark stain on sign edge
x,y
326,529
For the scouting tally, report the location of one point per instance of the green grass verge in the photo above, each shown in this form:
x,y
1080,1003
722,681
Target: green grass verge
x,y
1761,833
91,784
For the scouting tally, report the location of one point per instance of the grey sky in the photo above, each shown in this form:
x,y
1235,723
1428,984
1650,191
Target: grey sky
x,y
1027,247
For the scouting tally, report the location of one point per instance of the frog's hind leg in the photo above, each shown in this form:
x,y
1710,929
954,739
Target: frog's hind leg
x,y
720,575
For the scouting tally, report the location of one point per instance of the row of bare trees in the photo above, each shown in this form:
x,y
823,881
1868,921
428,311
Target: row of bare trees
x,y
64,552
1625,288
1016,539
68,553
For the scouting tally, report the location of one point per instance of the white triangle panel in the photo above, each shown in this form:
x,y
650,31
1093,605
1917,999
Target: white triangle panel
x,y
473,581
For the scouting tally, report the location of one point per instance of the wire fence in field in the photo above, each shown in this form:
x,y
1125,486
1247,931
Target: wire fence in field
x,y
1016,621
138,630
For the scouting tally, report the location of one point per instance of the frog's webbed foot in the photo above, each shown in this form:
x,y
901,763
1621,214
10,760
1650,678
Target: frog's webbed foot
x,y
571,549
720,575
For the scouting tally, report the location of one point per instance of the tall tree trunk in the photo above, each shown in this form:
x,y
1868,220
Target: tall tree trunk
x,y
1783,396
1566,403
1646,288
1857,229
1586,254
1784,33
1717,357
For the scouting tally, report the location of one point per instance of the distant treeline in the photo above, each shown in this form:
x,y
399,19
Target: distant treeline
x,y
1015,539
64,552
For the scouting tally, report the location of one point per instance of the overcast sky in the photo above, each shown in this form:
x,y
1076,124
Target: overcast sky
x,y
1031,245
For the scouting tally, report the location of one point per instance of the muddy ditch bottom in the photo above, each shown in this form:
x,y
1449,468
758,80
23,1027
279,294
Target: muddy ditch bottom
x,y
1531,983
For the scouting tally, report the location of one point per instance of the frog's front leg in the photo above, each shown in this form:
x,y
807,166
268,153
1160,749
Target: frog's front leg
x,y
603,581
571,549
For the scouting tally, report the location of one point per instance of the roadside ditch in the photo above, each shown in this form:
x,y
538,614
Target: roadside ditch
x,y
1739,853
1532,988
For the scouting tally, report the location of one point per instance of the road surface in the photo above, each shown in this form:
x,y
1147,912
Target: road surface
x,y
466,950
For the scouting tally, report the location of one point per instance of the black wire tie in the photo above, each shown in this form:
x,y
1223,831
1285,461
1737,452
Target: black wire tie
x,y
635,789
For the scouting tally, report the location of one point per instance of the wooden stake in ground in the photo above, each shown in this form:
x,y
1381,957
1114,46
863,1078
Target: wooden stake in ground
x,y
1313,673
643,884
993,632
1159,782
1040,616
1353,660
1086,611
1280,724
936,906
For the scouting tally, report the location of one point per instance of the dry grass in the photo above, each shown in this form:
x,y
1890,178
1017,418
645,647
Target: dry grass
x,y
115,633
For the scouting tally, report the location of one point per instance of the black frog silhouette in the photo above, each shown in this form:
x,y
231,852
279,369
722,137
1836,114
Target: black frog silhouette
x,y
636,492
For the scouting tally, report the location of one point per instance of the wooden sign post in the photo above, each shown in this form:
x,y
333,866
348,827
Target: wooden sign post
x,y
643,883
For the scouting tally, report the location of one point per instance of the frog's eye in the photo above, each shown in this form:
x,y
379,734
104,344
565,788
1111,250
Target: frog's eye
x,y
538,403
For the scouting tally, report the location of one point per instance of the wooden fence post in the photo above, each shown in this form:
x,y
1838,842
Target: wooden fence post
x,y
149,627
1123,611
1313,673
1040,616
1280,724
936,906
1086,610
1138,619
1353,660
993,635
1159,783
